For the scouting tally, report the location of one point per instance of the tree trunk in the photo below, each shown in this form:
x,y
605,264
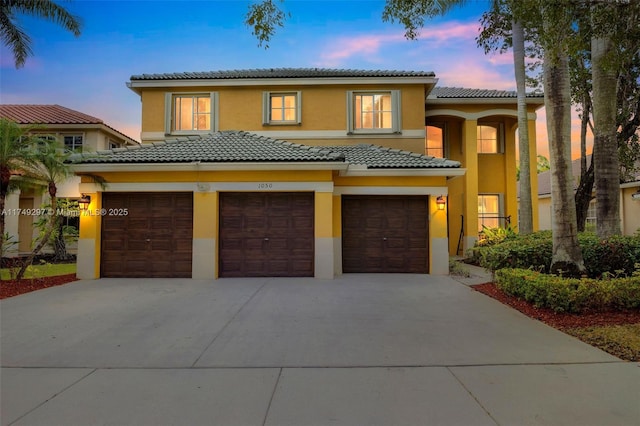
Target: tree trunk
x,y
585,187
53,220
526,206
59,243
567,257
5,176
605,143
583,197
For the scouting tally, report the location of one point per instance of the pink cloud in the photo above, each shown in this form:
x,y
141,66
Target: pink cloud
x,y
343,48
450,31
339,50
477,75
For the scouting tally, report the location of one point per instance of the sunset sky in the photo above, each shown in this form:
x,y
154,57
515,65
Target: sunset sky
x,y
122,38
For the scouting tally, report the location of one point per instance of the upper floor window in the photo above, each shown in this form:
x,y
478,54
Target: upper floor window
x,y
281,108
112,144
374,112
191,112
435,142
73,143
489,139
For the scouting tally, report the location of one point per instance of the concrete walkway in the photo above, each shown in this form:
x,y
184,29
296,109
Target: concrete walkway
x,y
358,350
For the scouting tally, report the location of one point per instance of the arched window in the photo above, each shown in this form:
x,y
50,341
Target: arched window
x,y
435,143
489,139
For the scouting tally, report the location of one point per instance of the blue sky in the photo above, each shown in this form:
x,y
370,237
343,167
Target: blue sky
x,y
122,38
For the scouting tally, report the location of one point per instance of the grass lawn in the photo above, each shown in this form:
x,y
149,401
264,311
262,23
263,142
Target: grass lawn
x,y
44,270
622,340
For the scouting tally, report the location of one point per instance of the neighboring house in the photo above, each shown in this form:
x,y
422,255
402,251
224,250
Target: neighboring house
x,y
629,205
301,172
78,132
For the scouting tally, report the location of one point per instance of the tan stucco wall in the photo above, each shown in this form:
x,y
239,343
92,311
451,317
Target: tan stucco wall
x,y
324,109
486,173
630,211
327,186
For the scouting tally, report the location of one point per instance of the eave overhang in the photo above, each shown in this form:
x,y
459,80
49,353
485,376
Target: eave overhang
x,y
355,170
537,101
97,168
138,85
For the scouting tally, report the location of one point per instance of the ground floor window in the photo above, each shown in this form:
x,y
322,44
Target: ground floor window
x,y
489,211
590,223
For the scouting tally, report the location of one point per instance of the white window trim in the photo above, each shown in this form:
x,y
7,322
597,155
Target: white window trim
x,y
81,134
396,125
500,127
266,109
168,113
113,142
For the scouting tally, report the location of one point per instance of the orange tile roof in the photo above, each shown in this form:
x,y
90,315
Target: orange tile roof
x,y
45,114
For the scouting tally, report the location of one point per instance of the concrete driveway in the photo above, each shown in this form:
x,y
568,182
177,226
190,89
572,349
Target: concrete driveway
x,y
358,350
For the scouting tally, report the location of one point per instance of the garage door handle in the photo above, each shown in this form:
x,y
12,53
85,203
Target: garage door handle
x,y
384,238
266,239
148,240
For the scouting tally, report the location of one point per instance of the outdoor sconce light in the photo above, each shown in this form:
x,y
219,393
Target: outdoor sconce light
x,y
441,202
636,195
84,202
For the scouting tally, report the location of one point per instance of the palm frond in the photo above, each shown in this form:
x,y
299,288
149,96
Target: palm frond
x,y
50,11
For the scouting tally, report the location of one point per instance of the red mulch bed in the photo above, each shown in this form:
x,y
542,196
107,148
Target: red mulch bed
x,y
555,319
9,288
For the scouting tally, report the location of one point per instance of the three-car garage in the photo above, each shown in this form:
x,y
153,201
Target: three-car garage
x,y
261,234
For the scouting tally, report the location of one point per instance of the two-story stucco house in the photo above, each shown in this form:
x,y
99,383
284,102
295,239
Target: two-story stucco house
x,y
78,132
300,172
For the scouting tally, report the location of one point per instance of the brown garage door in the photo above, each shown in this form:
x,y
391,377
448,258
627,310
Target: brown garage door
x,y
151,238
267,234
385,234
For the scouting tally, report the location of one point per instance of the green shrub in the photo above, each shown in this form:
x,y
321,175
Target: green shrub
x,y
570,294
493,236
522,251
615,256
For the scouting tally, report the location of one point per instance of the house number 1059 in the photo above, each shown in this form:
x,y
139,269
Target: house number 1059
x,y
265,185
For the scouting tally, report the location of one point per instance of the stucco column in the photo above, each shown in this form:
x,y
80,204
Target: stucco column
x,y
204,261
324,244
438,239
89,244
470,196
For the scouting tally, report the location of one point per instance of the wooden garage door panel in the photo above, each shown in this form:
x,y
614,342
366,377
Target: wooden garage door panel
x,y
266,234
385,234
155,239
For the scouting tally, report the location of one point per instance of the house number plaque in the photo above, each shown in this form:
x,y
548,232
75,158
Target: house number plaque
x,y
265,185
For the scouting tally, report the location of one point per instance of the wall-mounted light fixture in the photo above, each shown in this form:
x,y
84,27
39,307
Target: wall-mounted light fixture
x,y
84,201
441,202
636,195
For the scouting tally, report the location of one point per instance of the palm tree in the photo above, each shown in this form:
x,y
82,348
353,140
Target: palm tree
x,y
51,168
16,38
566,257
16,153
605,139
525,219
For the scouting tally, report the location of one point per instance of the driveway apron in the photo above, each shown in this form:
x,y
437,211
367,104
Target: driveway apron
x,y
362,349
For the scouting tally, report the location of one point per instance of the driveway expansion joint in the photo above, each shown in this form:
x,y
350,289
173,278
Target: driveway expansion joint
x,y
229,322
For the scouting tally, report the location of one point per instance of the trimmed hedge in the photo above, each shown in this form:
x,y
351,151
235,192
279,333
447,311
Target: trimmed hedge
x,y
570,294
617,255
